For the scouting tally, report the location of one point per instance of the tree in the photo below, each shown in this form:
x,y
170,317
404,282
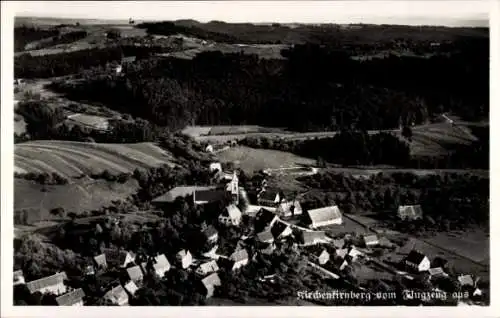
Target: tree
x,y
407,133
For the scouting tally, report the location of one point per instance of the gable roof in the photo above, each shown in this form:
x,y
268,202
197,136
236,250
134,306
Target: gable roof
x,y
208,195
324,214
465,280
269,194
232,211
311,236
117,255
135,273
211,280
183,253
210,266
161,260
41,283
70,298
436,271
339,243
415,257
116,293
176,192
265,216
342,252
269,249
265,236
131,287
278,228
100,260
370,238
239,255
215,166
412,211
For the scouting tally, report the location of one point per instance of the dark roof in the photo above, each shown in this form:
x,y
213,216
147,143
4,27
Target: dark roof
x,y
278,228
439,262
71,298
415,257
269,195
52,280
410,211
265,216
209,195
210,231
324,214
119,256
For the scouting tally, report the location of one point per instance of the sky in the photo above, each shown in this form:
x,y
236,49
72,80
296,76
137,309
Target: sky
x,y
453,13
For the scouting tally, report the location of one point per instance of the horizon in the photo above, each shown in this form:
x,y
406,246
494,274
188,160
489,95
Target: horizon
x,y
415,13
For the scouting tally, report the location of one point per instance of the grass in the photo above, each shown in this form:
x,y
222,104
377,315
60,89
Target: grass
x,y
71,159
251,160
347,226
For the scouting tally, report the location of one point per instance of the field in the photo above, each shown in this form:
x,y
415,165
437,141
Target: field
x,y
72,159
251,160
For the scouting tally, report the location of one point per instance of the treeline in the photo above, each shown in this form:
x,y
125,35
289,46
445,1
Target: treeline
x,y
315,88
64,38
449,201
24,35
345,148
170,28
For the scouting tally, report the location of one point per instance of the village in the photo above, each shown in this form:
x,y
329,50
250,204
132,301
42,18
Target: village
x,y
274,219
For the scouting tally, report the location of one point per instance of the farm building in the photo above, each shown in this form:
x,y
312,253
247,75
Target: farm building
x,y
239,259
289,208
209,284
18,277
135,274
324,216
184,258
265,237
161,265
88,121
265,219
211,234
120,258
73,298
51,284
252,210
313,237
207,268
281,230
208,196
410,212
117,296
100,261
131,287
417,261
215,166
231,215
370,240
269,197
182,191
322,257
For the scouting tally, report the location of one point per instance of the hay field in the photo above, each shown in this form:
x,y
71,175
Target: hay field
x,y
72,159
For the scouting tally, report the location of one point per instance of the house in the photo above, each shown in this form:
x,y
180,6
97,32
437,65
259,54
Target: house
x,y
324,216
184,258
231,215
118,69
207,268
322,257
410,212
341,263
465,281
265,237
174,193
215,166
211,234
161,265
212,253
370,240
121,258
208,196
18,278
289,208
131,287
436,272
265,219
342,252
313,237
209,284
100,261
281,230
73,298
232,187
239,259
339,243
51,284
210,148
135,274
417,261
117,296
269,197
354,253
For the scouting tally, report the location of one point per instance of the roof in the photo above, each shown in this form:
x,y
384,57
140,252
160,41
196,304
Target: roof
x,y
265,216
268,250
465,280
135,273
410,211
311,236
232,211
176,192
324,214
210,231
370,238
342,252
239,255
116,293
269,195
339,243
321,252
183,253
210,266
70,298
17,274
415,257
211,280
161,260
131,287
215,166
265,236
128,59
100,260
117,255
209,195
436,271
278,228
52,280
354,252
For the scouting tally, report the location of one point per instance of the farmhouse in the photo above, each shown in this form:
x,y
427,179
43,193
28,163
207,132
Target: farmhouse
x,y
322,257
131,287
313,237
161,265
410,212
265,219
281,230
120,258
208,196
370,240
135,274
265,237
417,261
209,284
324,216
100,261
207,268
117,296
73,298
211,234
18,277
176,192
289,208
51,284
231,215
184,258
239,259
269,197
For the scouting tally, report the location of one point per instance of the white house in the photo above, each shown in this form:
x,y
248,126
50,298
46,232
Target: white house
x,y
161,265
210,282
210,148
231,215
323,257
313,237
117,296
417,261
240,258
354,253
18,277
437,272
289,208
73,298
207,268
370,240
135,274
324,216
131,287
51,284
215,166
184,258
410,212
